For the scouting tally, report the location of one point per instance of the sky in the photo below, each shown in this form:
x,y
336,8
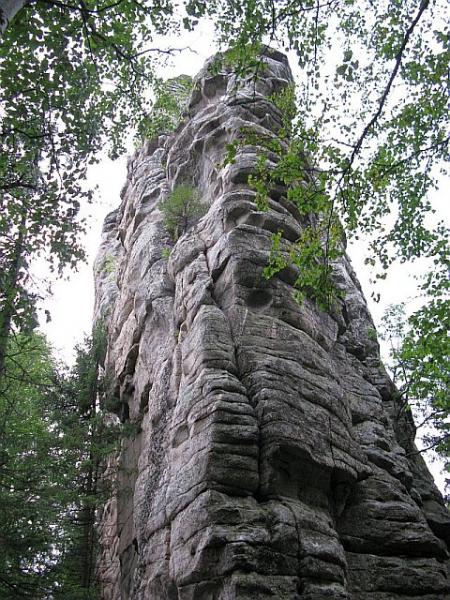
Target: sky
x,y
72,300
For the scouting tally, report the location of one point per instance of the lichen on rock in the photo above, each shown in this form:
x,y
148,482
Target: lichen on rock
x,y
268,462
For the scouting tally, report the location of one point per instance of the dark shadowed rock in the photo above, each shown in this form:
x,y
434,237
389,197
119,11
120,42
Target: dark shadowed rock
x,y
267,461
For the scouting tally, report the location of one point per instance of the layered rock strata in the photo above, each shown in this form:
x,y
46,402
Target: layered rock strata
x,y
268,457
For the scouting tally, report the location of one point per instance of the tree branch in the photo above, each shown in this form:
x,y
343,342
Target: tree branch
x,y
382,101
444,438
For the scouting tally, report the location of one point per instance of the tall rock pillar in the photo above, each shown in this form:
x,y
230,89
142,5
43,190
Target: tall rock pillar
x,y
266,458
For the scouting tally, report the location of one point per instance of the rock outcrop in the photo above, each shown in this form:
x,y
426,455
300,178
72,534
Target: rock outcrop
x,y
268,457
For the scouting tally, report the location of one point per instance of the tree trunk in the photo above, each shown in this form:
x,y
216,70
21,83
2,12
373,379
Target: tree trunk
x,y
87,520
88,510
8,10
10,292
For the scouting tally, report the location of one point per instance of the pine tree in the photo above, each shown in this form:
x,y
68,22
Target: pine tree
x,y
52,446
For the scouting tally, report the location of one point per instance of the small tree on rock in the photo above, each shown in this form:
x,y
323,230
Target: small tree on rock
x,y
181,209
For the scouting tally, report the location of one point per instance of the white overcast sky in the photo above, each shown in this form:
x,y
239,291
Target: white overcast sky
x,y
71,304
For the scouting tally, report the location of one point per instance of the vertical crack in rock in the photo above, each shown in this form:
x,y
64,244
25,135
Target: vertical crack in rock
x,y
267,459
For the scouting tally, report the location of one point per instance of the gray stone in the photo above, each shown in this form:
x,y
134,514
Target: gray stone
x,y
267,461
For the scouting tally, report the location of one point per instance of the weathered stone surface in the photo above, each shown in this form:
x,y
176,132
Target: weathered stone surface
x,y
267,459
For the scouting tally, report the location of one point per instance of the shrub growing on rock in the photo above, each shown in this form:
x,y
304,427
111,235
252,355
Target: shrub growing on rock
x,y
181,209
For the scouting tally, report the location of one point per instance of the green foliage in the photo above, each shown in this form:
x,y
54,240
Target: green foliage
x,y
372,334
277,260
286,102
171,98
373,157
72,78
87,443
181,209
287,160
52,444
110,265
370,154
241,59
32,486
419,347
358,181
308,254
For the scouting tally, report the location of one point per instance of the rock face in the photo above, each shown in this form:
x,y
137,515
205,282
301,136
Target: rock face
x,y
267,456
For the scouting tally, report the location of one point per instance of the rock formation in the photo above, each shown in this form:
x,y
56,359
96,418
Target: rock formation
x,y
268,457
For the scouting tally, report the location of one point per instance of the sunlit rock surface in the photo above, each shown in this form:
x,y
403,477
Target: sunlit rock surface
x,y
267,457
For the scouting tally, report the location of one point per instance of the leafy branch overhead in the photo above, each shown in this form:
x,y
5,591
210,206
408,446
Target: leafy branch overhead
x,y
418,351
170,102
74,77
370,135
372,103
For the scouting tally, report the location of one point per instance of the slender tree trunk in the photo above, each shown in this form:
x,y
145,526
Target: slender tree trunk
x,y
10,293
87,540
88,510
8,10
